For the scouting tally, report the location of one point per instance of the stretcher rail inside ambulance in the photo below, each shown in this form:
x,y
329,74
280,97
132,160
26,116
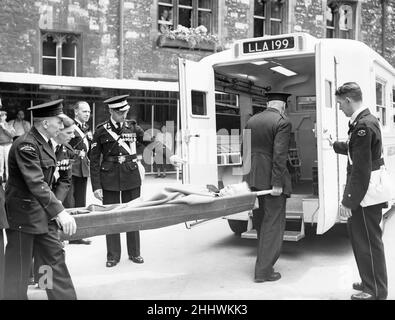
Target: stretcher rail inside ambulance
x,y
164,209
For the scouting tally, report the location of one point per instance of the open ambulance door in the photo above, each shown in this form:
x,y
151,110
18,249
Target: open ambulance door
x,y
198,124
328,166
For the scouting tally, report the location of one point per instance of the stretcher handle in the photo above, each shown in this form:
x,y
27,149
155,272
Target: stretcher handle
x,y
263,192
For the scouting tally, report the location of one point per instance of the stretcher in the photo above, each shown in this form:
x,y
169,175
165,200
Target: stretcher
x,y
132,219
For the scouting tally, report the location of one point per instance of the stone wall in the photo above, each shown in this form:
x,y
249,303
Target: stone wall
x,y
98,22
309,17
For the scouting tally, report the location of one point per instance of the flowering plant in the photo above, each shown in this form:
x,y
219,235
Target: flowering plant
x,y
193,36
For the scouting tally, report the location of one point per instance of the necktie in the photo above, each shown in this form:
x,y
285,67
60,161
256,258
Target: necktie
x,y
118,125
50,144
57,149
350,127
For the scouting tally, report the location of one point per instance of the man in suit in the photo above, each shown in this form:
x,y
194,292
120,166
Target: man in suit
x,y
34,214
80,169
114,171
270,135
364,150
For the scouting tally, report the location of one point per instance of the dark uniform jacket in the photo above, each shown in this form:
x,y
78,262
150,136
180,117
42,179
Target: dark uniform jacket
x,y
30,203
270,135
117,170
64,160
365,148
81,164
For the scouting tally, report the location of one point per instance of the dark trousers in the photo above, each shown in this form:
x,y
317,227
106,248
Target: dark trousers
x,y
133,237
269,222
366,241
2,264
79,191
76,197
19,251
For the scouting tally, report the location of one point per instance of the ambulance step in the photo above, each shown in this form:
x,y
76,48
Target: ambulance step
x,y
250,234
288,235
293,235
294,215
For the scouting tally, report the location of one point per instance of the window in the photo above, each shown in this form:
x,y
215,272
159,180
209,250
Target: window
x,y
268,17
340,19
60,54
199,103
188,13
380,102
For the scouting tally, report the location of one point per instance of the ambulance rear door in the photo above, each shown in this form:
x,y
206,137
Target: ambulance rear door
x,y
328,167
198,125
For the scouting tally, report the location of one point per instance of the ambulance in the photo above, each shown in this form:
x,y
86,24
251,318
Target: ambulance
x,y
222,91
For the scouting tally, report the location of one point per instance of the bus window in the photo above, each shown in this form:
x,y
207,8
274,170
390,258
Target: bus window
x,y
380,102
199,103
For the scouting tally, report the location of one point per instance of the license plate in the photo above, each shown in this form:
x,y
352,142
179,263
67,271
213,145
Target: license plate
x,y
268,45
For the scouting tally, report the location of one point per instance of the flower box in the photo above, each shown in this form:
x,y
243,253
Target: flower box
x,y
166,42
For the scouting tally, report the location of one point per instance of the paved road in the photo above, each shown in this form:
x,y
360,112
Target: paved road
x,y
210,262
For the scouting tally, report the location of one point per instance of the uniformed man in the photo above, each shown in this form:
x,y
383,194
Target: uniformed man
x,y
34,214
80,169
364,150
116,178
270,135
62,177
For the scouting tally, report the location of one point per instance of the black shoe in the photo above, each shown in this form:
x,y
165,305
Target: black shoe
x,y
137,259
80,241
111,263
357,286
363,296
273,277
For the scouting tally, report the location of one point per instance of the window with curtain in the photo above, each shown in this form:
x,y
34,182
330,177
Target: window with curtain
x,y
340,19
188,13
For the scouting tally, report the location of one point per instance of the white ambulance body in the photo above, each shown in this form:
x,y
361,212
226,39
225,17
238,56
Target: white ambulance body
x,y
308,68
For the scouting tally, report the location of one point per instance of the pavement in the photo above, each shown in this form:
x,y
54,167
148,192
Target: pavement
x,y
210,262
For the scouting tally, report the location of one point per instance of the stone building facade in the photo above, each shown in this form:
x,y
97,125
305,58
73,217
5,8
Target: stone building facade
x,y
119,39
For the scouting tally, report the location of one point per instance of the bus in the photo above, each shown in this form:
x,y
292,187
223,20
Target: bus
x,y
219,94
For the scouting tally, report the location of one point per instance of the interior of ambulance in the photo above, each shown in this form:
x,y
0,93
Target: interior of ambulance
x,y
240,89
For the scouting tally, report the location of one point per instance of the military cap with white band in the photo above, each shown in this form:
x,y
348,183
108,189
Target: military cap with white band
x,y
118,103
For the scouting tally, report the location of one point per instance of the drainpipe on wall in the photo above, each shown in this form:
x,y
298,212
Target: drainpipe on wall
x,y
383,24
121,39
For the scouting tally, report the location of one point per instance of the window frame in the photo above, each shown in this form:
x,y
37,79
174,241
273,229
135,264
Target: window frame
x,y
59,39
381,110
175,6
268,19
335,5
